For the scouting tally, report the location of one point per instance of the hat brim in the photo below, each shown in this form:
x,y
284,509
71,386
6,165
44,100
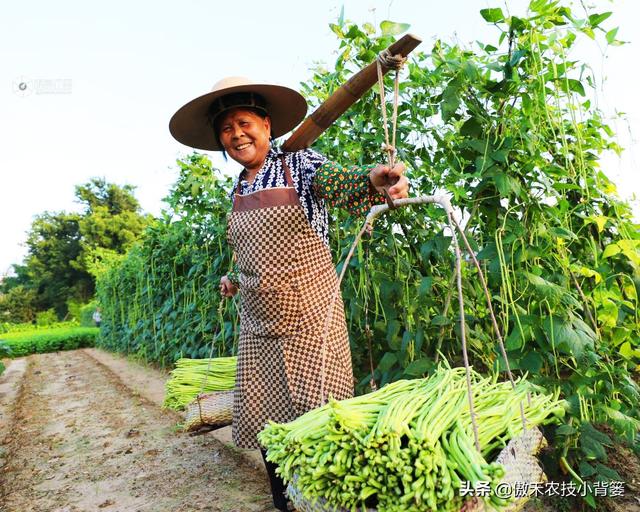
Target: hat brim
x,y
190,124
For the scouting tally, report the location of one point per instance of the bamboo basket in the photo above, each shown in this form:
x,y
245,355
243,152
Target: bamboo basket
x,y
209,411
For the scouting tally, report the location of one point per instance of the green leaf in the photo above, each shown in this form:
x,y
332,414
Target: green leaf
x,y
591,501
631,249
565,430
559,232
387,361
337,30
531,363
545,288
611,250
586,469
493,15
611,36
471,128
565,337
515,340
628,352
623,421
592,448
393,328
425,286
588,430
607,474
576,86
502,184
440,320
418,367
390,28
407,337
450,101
596,19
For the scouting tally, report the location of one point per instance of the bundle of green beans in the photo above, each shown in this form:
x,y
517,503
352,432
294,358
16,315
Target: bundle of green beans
x,y
188,378
408,446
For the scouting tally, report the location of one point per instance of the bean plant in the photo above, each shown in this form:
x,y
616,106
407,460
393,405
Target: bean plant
x,y
510,131
161,302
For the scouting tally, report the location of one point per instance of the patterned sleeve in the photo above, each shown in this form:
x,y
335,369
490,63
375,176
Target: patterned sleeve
x,y
234,275
347,188
304,164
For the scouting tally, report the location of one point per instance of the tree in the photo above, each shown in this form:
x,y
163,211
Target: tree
x,y
116,199
54,246
62,246
112,221
16,306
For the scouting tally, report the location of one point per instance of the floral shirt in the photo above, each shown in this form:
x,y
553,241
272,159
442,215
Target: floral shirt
x,y
319,184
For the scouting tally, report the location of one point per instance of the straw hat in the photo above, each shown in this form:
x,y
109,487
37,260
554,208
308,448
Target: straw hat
x,y
192,123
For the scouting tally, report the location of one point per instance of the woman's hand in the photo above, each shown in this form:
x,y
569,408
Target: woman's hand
x,y
227,288
393,179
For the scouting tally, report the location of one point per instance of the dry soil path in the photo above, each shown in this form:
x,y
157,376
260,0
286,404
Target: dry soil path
x,y
76,438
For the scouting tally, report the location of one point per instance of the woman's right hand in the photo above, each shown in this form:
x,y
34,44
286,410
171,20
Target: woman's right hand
x,y
227,288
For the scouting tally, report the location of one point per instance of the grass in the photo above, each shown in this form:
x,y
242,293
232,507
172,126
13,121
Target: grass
x,y
48,340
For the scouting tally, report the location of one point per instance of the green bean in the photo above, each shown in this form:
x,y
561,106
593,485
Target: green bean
x,y
407,446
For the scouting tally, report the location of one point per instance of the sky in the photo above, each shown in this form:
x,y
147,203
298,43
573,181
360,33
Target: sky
x,y
103,79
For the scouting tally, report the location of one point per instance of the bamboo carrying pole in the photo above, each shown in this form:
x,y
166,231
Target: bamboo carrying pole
x,y
338,103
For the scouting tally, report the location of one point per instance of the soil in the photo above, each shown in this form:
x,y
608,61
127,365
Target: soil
x,y
78,439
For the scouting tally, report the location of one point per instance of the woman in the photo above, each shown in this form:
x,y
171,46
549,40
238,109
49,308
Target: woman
x,y
278,229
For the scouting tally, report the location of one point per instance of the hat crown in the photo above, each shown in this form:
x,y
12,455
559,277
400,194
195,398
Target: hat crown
x,y
231,81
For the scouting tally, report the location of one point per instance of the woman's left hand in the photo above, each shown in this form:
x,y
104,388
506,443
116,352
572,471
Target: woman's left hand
x,y
398,185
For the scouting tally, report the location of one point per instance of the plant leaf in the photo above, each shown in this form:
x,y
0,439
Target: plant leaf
x,y
492,15
391,28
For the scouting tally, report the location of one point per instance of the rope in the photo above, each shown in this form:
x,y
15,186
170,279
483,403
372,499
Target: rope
x,y
367,328
388,61
395,62
463,328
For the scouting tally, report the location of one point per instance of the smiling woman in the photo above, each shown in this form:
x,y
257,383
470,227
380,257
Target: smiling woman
x,y
245,135
278,229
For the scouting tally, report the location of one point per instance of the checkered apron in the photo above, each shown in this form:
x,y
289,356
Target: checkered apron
x,y
286,283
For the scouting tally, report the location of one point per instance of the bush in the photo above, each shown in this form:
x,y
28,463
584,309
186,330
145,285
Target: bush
x,y
86,314
7,327
48,340
46,318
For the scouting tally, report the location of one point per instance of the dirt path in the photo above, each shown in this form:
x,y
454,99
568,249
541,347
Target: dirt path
x,y
82,441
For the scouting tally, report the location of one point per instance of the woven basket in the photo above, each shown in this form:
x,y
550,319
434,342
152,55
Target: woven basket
x,y
209,410
518,458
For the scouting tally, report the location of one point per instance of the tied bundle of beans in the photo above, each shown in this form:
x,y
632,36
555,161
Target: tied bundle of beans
x,y
408,446
189,376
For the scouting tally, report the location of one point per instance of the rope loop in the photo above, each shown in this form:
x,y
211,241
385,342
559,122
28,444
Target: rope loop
x,y
390,61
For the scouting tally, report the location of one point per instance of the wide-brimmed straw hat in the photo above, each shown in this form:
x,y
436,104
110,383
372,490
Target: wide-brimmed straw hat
x,y
192,123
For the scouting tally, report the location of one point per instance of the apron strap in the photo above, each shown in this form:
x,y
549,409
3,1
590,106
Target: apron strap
x,y
239,180
287,172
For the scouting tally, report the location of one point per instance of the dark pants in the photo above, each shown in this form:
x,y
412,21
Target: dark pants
x,y
277,484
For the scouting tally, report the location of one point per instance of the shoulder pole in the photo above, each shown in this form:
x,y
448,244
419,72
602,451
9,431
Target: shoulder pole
x,y
338,103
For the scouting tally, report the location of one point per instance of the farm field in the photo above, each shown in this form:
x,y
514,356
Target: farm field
x,y
83,430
